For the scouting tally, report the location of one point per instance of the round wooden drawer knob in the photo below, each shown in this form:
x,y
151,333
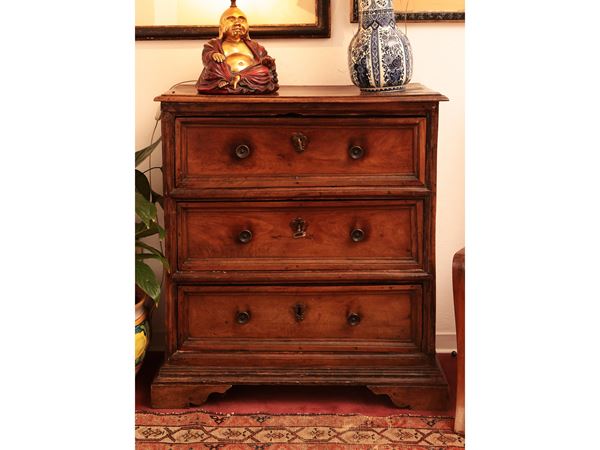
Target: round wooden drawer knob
x,y
356,152
353,319
245,236
357,235
242,317
242,151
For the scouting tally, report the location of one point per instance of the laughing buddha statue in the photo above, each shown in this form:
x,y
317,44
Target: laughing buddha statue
x,y
235,64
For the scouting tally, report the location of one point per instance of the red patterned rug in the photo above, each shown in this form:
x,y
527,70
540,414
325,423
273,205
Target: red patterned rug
x,y
198,429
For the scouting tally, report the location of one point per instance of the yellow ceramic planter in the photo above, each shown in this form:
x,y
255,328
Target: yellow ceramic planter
x,y
142,334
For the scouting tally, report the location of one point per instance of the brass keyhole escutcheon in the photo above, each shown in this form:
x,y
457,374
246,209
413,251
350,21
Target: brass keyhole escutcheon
x,y
300,142
299,227
299,311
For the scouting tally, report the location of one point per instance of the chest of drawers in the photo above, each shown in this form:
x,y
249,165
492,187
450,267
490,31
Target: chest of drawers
x,y
300,233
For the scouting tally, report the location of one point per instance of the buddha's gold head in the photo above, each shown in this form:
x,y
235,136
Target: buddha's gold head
x,y
233,22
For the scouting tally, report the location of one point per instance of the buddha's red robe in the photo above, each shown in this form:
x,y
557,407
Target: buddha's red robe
x,y
258,79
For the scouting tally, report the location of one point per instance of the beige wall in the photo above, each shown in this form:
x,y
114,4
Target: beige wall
x,y
438,50
193,12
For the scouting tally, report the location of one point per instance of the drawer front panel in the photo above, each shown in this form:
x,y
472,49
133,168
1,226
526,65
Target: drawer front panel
x,y
307,315
237,153
300,235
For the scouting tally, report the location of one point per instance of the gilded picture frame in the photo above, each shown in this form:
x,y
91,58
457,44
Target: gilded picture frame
x,y
422,11
319,25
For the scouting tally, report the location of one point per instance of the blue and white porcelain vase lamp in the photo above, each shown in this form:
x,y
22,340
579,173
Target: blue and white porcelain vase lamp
x,y
379,56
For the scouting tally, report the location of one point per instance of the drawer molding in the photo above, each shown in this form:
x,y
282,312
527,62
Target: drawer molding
x,y
208,235
283,152
389,315
360,172
304,345
339,277
419,386
300,192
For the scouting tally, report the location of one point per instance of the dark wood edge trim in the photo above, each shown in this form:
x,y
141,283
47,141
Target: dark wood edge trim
x,y
311,278
185,395
322,29
276,105
168,133
327,121
266,182
299,194
224,265
383,289
424,16
421,375
260,204
313,346
293,342
430,227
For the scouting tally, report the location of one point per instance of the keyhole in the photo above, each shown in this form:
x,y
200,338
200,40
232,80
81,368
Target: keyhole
x,y
299,312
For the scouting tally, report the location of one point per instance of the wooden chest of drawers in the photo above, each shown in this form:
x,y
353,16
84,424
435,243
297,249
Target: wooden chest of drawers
x,y
300,233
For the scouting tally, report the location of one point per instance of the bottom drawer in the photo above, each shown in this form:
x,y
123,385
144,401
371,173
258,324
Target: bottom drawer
x,y
298,318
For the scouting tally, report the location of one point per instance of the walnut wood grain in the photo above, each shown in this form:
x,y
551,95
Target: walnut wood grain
x,y
164,395
208,235
168,288
413,92
389,313
311,363
338,277
428,398
391,152
420,386
305,192
231,247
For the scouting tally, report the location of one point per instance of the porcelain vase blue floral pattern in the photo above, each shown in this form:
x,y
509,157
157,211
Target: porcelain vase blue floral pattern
x,y
379,56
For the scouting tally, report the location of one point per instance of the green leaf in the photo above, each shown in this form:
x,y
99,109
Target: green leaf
x,y
154,251
142,154
161,232
145,210
140,244
162,259
144,256
146,280
142,230
142,185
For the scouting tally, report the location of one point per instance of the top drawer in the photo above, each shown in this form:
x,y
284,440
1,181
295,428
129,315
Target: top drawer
x,y
275,152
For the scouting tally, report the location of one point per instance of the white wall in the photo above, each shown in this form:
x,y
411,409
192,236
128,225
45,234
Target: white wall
x,y
438,51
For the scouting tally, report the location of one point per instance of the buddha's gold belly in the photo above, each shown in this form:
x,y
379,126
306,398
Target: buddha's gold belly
x,y
238,62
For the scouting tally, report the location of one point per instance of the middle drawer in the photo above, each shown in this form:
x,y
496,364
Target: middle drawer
x,y
335,235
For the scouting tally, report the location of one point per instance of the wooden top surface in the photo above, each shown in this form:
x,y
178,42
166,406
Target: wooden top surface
x,y
413,92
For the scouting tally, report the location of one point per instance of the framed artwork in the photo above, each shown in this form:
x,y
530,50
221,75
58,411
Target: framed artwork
x,y
199,19
423,10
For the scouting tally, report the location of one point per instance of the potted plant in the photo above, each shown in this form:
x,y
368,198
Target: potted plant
x,y
147,284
